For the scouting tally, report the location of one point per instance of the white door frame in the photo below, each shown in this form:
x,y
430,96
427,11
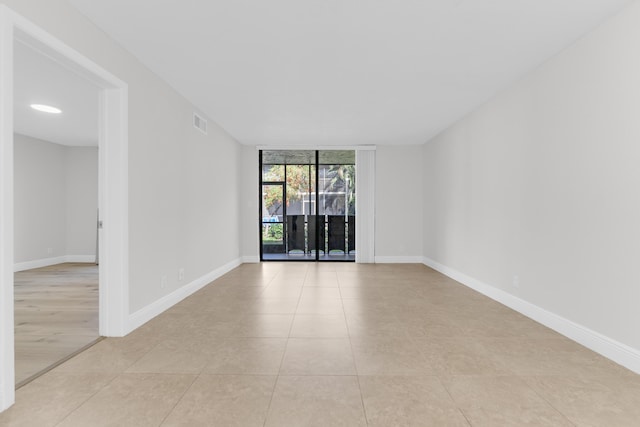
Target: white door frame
x,y
113,186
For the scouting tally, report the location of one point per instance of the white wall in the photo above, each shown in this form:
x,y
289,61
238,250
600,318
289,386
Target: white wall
x,y
56,197
183,185
398,204
543,183
82,200
40,194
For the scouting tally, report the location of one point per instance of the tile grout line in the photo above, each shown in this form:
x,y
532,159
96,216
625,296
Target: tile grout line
x,y
453,400
116,376
153,347
522,378
275,383
196,377
353,356
58,363
88,398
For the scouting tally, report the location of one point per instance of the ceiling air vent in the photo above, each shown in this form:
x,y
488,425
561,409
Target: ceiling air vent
x,y
199,123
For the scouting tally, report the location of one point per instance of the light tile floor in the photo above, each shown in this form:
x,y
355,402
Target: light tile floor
x,y
305,344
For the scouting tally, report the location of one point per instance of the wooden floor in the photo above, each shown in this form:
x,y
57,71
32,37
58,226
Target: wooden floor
x,y
56,314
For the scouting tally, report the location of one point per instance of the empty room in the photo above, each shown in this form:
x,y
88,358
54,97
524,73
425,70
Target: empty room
x,y
320,213
56,202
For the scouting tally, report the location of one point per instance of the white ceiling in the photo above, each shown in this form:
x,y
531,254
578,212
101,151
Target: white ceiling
x,y
41,80
328,72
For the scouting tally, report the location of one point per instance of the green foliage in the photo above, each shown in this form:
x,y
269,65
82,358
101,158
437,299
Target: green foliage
x,y
272,196
344,177
341,178
297,184
274,173
272,233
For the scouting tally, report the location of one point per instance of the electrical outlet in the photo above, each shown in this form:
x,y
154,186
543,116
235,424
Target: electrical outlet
x,y
181,274
49,251
163,282
516,282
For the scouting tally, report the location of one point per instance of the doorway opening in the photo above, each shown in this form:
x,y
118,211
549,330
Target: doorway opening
x,y
113,292
55,204
307,205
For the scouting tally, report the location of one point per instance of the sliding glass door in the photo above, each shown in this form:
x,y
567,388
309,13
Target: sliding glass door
x,y
307,205
273,216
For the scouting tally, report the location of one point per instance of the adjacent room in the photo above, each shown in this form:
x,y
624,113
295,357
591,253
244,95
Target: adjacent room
x,y
319,213
56,202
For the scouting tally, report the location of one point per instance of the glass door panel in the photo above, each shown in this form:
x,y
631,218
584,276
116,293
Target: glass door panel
x,y
273,173
302,219
298,192
273,215
337,207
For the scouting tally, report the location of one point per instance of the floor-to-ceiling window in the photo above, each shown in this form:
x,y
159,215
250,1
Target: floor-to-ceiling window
x,y
307,205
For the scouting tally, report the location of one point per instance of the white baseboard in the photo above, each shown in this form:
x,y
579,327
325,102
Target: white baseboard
x,y
618,352
46,262
80,258
37,263
250,259
147,313
398,260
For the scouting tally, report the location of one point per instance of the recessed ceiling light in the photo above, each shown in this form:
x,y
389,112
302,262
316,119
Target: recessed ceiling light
x,y
46,108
